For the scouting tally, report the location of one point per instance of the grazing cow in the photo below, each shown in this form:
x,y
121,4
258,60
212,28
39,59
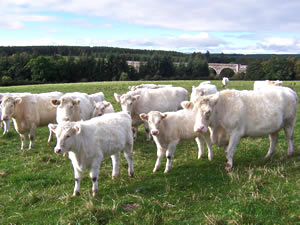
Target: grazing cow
x,y
28,112
102,107
73,106
88,142
145,100
225,81
266,83
231,115
204,88
97,97
169,128
133,88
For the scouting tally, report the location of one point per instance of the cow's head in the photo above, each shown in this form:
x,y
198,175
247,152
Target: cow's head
x,y
65,134
154,119
66,108
8,106
196,92
99,108
204,109
127,101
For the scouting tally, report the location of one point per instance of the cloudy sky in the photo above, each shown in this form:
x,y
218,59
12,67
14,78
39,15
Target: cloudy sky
x,y
228,26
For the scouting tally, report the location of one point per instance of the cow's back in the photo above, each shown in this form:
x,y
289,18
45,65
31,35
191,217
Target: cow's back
x,y
109,133
161,99
256,113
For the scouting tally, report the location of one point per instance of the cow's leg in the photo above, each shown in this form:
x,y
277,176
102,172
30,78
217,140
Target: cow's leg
x,y
289,133
134,130
170,155
148,135
77,175
31,136
5,126
200,145
206,137
273,140
115,163
22,136
128,154
50,136
94,172
160,154
231,148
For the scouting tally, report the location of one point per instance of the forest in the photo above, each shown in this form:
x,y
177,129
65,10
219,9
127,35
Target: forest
x,y
65,64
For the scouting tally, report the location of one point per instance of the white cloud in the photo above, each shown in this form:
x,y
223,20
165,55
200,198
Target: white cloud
x,y
192,15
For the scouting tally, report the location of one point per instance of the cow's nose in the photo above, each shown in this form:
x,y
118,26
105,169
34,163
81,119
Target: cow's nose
x,y
201,129
154,132
57,150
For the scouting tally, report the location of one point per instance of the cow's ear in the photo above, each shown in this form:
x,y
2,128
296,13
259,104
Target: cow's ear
x,y
117,97
18,100
187,105
129,87
144,116
55,102
52,127
136,97
213,99
193,87
106,104
77,128
164,115
76,102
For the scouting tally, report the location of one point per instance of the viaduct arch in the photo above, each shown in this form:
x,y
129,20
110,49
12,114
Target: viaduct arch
x,y
218,67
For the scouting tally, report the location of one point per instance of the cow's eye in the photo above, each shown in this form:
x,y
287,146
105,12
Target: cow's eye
x,y
207,114
67,136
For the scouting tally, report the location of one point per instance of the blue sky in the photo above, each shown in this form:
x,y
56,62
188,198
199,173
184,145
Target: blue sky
x,y
231,26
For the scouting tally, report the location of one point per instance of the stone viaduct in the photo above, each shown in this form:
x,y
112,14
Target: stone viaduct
x,y
218,67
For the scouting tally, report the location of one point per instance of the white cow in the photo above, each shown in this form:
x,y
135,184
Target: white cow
x,y
225,81
97,97
5,123
204,88
102,107
145,100
73,106
133,88
28,112
169,128
88,142
266,83
231,115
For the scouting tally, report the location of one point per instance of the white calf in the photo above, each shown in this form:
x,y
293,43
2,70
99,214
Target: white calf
x,y
73,107
102,107
88,142
204,88
169,128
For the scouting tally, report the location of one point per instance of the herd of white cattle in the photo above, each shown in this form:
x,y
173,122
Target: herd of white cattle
x,y
88,128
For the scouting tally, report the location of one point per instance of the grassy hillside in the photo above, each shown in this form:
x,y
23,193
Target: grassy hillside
x,y
36,185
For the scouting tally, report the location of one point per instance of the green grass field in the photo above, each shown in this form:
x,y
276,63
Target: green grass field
x,y
36,185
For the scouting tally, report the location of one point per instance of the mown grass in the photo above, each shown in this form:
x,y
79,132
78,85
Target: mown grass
x,y
36,185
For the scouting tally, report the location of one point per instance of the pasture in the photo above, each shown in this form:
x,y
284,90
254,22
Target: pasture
x,y
36,185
